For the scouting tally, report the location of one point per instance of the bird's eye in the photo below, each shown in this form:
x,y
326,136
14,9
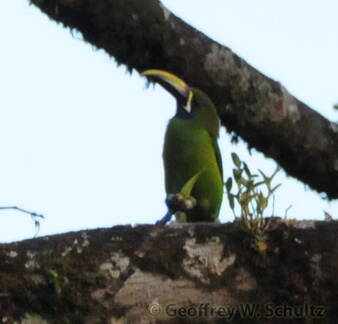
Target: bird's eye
x,y
197,103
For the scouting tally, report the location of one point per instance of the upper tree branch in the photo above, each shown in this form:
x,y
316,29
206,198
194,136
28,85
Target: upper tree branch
x,y
143,34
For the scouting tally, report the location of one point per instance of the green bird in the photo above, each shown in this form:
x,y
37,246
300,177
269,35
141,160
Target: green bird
x,y
190,149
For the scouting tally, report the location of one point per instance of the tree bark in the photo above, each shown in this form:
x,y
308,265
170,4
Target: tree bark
x,y
188,273
143,34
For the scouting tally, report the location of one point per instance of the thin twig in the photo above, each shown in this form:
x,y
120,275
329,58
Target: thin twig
x,y
33,214
286,211
273,205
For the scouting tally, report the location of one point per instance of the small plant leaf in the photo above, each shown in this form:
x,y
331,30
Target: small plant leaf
x,y
278,168
262,202
237,174
254,193
250,185
275,187
228,184
236,159
231,201
257,184
247,170
263,175
52,273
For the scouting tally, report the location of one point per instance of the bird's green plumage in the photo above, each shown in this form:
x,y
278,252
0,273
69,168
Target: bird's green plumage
x,y
191,149
190,146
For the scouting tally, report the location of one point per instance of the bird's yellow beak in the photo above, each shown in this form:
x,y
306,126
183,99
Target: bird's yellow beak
x,y
178,84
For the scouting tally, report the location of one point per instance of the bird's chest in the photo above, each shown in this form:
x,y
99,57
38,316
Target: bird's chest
x,y
185,142
187,150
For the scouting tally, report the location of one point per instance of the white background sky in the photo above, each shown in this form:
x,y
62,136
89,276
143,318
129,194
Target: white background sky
x,y
81,139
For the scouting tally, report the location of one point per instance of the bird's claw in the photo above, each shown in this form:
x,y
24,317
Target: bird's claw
x,y
176,203
180,202
164,220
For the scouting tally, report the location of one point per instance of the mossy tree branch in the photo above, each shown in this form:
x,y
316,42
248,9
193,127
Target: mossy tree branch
x,y
143,34
122,274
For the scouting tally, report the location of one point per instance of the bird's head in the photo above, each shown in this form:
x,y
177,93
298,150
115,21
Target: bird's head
x,y
192,103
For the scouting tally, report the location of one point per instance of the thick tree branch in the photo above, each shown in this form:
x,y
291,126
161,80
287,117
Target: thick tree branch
x,y
143,34
146,274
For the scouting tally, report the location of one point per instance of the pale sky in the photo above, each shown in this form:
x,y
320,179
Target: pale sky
x,y
81,139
